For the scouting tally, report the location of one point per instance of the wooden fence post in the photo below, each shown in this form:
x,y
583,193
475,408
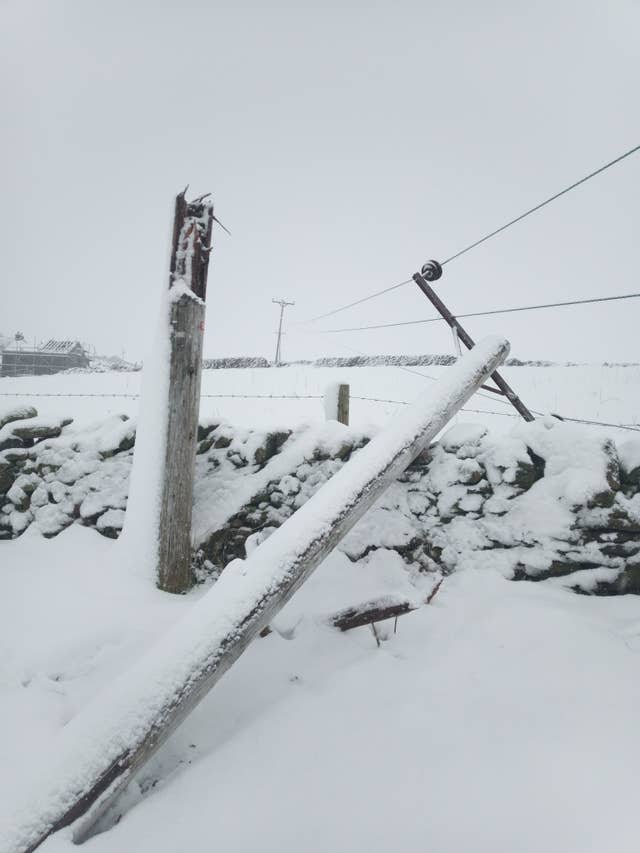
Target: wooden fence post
x,y
189,265
343,405
336,403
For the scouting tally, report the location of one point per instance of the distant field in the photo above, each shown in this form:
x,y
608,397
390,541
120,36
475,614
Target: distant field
x,y
593,391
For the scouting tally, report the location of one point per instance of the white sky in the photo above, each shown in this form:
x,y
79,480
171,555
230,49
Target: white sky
x,y
345,144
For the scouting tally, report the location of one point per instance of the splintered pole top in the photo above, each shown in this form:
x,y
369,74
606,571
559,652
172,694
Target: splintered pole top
x,y
191,242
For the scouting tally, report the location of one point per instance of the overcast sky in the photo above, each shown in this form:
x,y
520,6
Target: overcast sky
x,y
344,143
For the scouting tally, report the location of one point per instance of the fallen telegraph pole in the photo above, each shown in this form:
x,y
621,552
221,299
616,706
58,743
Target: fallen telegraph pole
x,y
98,752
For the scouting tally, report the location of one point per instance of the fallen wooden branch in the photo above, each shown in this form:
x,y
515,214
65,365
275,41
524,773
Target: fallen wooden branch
x,y
96,753
377,610
371,611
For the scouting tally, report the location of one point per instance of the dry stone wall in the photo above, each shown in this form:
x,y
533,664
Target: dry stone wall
x,y
550,501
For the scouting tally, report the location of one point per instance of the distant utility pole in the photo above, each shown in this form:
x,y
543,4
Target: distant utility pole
x,y
283,305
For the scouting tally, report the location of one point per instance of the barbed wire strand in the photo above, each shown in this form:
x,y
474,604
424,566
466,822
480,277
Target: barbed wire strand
x,y
631,427
220,396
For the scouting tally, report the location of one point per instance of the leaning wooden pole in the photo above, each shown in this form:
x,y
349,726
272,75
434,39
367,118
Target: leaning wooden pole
x,y
189,264
97,752
433,271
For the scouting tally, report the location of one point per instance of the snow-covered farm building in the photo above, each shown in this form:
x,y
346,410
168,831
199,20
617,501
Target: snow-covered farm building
x,y
52,357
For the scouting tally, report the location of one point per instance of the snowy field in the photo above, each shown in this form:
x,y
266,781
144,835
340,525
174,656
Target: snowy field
x,y
595,392
503,717
500,718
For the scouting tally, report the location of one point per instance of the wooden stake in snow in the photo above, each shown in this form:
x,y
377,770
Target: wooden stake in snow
x,y
97,752
336,403
343,405
188,280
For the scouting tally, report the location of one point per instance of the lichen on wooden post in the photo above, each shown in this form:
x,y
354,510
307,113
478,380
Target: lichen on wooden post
x,y
191,245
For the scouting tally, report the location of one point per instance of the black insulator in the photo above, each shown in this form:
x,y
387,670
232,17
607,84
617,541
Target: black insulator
x,y
432,271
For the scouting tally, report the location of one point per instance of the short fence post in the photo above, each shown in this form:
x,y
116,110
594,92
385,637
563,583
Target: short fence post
x,y
343,405
189,267
336,403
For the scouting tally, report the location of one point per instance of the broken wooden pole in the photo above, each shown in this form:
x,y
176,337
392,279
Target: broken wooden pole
x,y
98,751
191,246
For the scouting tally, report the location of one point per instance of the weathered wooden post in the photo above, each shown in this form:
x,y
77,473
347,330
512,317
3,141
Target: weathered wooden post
x,y
191,245
343,405
336,403
95,755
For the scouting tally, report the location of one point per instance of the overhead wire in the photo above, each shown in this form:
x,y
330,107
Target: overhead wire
x,y
488,236
482,313
542,204
357,302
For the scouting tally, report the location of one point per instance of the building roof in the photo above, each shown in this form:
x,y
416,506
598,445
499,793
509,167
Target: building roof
x,y
60,347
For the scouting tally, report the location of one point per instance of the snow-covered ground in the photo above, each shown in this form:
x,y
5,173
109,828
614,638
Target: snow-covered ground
x,y
595,392
502,717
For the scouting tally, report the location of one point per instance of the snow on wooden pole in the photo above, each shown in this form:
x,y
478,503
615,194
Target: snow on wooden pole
x,y
98,751
188,288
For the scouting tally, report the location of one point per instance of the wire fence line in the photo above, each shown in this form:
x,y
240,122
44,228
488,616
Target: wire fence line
x,y
39,394
220,396
494,399
630,427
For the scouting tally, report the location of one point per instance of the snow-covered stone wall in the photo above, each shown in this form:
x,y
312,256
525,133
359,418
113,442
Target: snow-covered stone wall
x,y
549,501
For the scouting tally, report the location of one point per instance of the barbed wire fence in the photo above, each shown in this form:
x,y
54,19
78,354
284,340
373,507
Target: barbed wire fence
x,y
381,400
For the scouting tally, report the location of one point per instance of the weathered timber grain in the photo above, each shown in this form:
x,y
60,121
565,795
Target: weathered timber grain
x,y
190,249
343,405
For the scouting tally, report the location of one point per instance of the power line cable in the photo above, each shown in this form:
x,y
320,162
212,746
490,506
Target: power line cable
x,y
484,313
358,301
489,235
541,204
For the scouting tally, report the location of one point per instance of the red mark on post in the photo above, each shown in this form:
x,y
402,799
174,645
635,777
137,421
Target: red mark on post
x,y
201,325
